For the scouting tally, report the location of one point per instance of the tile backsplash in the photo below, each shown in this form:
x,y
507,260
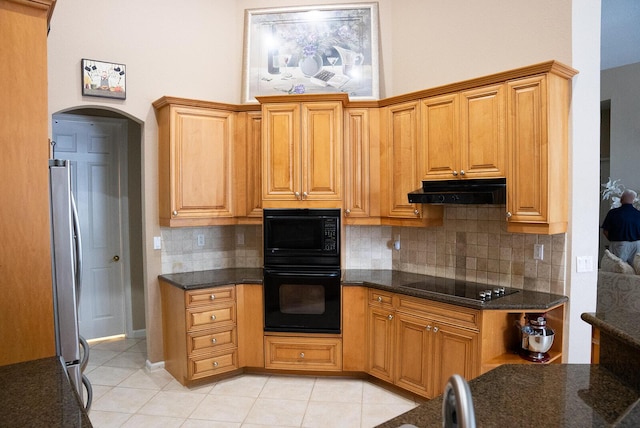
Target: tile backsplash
x,y
472,244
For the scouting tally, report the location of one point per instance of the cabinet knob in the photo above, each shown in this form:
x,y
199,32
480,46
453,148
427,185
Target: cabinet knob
x,y
305,195
213,317
215,364
455,173
212,297
508,214
347,211
175,213
379,298
390,317
214,340
301,354
428,327
435,329
297,195
462,172
416,212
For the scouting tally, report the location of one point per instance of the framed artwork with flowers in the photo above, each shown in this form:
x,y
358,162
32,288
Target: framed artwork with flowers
x,y
311,49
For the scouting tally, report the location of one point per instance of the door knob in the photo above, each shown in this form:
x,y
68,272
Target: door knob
x,y
116,258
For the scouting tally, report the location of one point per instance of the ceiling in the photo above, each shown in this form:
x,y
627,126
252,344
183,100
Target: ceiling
x,y
620,33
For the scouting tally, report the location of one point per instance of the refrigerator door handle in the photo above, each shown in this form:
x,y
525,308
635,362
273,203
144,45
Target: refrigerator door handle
x,y
78,245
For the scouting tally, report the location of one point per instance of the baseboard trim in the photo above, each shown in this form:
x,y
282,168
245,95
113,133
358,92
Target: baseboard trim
x,y
155,366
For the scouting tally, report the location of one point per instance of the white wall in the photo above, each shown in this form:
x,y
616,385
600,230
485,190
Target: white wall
x,y
621,85
193,49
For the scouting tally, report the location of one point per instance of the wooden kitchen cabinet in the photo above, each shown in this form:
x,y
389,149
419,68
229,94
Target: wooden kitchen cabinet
x,y
303,353
418,345
302,151
196,161
199,331
248,168
361,166
400,168
26,308
463,134
537,129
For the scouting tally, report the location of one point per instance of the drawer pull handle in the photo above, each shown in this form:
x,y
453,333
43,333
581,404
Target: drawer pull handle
x,y
213,317
428,328
435,329
301,354
214,340
390,317
379,298
212,297
215,364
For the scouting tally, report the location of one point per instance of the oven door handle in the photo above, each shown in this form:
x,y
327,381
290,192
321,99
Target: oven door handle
x,y
305,274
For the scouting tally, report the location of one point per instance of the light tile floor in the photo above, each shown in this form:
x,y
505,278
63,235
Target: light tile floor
x,y
127,394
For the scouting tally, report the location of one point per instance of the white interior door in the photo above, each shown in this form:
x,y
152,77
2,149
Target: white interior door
x,y
96,148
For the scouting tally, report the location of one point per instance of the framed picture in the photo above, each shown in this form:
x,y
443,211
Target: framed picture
x,y
103,79
311,49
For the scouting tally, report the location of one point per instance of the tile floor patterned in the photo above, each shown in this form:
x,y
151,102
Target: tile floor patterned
x,y
127,394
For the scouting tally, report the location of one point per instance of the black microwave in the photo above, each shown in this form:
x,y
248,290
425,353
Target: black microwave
x,y
301,237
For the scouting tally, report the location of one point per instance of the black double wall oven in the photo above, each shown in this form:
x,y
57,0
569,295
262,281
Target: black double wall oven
x,y
302,270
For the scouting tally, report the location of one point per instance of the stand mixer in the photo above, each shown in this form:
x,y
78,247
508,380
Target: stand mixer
x,y
536,339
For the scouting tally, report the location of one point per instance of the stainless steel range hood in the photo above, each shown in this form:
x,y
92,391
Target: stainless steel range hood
x,y
468,191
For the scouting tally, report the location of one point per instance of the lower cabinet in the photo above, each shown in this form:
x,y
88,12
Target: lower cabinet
x,y
303,353
199,331
418,345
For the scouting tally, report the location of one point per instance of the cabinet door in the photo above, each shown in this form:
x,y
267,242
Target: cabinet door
x,y
250,171
527,193
202,159
356,164
401,161
380,343
281,151
455,352
440,149
413,353
483,132
321,151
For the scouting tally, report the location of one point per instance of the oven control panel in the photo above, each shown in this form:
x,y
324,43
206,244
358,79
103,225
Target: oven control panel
x,y
330,234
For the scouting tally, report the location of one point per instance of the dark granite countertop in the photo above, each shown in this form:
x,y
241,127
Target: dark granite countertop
x,y
411,284
38,394
438,289
550,395
624,326
214,278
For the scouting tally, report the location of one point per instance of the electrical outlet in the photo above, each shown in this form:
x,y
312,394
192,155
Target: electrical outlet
x,y
538,251
201,240
157,243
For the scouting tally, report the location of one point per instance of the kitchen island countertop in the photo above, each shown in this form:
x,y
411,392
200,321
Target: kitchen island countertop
x,y
411,284
38,394
552,395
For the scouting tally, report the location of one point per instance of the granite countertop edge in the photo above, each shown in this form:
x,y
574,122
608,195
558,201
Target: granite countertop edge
x,y
619,325
388,280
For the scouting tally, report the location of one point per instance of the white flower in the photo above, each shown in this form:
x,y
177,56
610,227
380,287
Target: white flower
x,y
612,190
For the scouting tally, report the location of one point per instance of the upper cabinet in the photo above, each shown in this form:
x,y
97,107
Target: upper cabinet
x,y
196,162
464,134
537,124
302,151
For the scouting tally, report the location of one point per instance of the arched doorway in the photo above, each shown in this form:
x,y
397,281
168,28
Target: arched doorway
x,y
112,233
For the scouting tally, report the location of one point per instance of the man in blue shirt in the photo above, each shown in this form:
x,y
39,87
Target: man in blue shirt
x,y
621,227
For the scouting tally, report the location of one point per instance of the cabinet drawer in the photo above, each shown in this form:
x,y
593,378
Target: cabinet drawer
x,y
451,314
210,295
216,316
212,341
299,353
213,364
380,298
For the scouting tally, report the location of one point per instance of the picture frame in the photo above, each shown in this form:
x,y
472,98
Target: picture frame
x,y
103,79
311,49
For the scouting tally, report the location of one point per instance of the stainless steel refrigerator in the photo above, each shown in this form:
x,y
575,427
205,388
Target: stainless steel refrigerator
x,y
66,246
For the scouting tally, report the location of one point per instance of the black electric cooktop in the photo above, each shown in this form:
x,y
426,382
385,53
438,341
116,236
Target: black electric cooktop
x,y
469,290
